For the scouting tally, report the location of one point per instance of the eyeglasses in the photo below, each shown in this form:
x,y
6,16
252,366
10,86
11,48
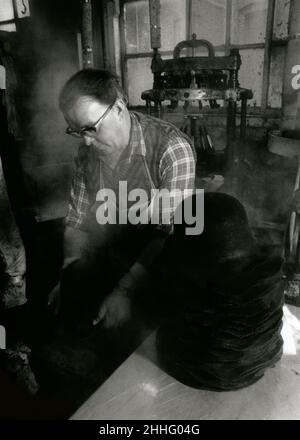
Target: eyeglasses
x,y
92,129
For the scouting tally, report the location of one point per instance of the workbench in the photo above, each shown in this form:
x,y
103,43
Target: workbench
x,y
139,389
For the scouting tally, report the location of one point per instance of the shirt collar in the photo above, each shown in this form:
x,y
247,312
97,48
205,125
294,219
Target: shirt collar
x,y
137,142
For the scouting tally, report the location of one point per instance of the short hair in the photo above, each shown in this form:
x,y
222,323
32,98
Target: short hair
x,y
99,84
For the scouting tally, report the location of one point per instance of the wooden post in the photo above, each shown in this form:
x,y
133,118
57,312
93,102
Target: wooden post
x,y
117,37
267,55
297,118
87,34
228,27
290,95
154,11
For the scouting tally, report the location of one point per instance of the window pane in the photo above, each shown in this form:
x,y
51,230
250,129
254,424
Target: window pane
x,y
249,19
209,20
6,10
11,27
251,73
140,78
276,77
173,23
281,18
137,27
200,52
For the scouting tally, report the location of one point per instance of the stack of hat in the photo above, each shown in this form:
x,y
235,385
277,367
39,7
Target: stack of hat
x,y
223,328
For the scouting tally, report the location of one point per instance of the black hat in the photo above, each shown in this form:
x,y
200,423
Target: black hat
x,y
226,233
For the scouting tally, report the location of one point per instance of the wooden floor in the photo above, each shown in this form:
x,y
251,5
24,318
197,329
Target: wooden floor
x,y
139,389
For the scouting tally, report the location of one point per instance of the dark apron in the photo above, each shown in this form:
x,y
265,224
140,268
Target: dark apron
x,y
122,242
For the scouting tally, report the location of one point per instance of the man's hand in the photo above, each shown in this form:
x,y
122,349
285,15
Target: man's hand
x,y
54,297
115,310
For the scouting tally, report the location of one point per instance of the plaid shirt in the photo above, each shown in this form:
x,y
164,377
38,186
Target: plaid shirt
x,y
173,169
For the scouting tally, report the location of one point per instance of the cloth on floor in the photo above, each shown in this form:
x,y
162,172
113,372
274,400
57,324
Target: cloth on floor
x,y
12,254
16,358
224,319
17,365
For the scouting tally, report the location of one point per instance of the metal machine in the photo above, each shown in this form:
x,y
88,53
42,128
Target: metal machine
x,y
193,79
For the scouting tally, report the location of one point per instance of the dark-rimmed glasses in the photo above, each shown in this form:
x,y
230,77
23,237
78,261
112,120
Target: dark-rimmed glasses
x,y
92,129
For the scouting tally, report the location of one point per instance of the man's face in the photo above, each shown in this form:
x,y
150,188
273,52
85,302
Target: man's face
x,y
97,123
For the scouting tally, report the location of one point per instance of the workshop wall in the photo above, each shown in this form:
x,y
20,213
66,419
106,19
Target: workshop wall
x,y
45,54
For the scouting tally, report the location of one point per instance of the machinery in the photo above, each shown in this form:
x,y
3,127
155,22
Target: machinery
x,y
194,79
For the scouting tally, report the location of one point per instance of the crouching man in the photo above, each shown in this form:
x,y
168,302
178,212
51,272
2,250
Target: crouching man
x,y
107,252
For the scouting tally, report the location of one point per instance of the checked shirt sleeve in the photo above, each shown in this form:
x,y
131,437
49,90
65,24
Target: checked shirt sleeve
x,y
177,170
79,201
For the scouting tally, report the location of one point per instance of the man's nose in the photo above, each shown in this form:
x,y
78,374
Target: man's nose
x,y
87,140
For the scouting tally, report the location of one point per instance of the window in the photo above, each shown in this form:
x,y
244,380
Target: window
x,y
6,10
208,20
137,25
138,52
7,16
249,25
248,21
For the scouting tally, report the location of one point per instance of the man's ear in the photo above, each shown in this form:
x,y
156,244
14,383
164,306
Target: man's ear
x,y
121,106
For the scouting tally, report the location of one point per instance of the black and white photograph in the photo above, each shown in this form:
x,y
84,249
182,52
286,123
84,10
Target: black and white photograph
x,y
149,213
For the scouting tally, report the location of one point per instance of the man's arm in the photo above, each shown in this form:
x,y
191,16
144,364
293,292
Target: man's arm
x,y
177,170
75,238
75,241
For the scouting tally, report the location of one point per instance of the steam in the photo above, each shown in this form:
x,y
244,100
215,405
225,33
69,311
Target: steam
x,y
47,123
49,151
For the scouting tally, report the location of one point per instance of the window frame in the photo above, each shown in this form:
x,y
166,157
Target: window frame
x,y
11,20
269,43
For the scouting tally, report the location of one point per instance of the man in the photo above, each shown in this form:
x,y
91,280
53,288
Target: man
x,y
110,261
